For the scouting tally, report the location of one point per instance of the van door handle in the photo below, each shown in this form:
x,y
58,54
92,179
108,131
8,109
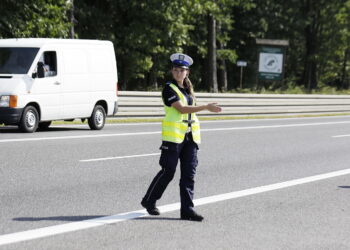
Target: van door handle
x,y
57,83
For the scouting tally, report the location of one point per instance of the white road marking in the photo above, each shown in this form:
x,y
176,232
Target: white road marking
x,y
85,224
338,136
158,132
78,137
277,126
274,119
119,157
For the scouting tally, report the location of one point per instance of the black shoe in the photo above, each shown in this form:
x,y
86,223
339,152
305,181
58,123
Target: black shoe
x,y
192,215
150,207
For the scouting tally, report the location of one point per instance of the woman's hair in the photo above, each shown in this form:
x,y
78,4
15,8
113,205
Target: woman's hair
x,y
188,84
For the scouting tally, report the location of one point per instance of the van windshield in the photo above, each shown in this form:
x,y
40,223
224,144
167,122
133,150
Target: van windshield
x,y
16,60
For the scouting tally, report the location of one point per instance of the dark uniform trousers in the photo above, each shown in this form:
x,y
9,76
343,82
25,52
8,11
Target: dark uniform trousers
x,y
171,153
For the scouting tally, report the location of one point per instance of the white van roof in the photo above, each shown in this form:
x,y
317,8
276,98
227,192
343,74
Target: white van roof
x,y
39,42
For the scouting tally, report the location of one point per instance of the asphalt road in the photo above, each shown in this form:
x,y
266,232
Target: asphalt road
x,y
70,174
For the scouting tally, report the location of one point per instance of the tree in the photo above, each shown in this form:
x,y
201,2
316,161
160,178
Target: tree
x,y
336,65
316,31
211,39
34,18
212,68
144,33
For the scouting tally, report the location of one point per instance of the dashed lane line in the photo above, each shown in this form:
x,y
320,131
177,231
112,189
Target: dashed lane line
x,y
339,136
118,157
78,137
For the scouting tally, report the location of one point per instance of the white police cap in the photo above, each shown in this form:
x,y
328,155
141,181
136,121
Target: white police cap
x,y
181,60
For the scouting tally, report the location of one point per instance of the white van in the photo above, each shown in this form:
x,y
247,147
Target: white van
x,y
42,80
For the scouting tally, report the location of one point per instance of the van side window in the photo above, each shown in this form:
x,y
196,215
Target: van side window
x,y
49,59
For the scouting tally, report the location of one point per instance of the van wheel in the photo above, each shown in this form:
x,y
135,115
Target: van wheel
x,y
98,118
44,125
29,120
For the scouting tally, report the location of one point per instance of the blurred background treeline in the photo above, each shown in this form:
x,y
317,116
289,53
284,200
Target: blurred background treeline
x,y
214,33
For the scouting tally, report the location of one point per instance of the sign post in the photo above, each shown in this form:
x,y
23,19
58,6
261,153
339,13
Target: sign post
x,y
241,64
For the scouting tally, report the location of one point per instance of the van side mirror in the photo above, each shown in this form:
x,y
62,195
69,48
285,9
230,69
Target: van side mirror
x,y
40,70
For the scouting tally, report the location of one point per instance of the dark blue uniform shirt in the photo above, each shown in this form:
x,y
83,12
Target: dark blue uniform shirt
x,y
169,95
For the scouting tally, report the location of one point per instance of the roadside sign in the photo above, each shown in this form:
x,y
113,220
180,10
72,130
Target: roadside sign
x,y
241,63
271,63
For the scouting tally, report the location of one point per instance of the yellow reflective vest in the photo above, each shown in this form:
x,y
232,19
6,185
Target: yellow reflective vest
x,y
175,124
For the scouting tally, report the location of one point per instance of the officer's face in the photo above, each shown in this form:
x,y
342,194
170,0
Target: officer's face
x,y
179,74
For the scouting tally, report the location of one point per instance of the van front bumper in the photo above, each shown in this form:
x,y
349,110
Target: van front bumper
x,y
10,116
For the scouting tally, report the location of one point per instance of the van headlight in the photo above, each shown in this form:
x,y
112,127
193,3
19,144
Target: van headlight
x,y
5,101
8,101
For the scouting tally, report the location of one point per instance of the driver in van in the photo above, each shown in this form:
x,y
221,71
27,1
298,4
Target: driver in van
x,y
45,59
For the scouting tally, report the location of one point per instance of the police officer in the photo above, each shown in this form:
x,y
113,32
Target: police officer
x,y
180,136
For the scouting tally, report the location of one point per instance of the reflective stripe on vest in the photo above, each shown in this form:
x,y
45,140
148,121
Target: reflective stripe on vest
x,y
173,127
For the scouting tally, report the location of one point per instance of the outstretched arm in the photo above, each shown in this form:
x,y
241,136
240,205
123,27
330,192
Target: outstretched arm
x,y
212,107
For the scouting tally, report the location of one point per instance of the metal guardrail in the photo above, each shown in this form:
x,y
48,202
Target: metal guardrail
x,y
149,104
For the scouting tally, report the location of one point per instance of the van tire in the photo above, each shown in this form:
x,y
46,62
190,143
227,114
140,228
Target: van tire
x,y
44,125
30,120
98,118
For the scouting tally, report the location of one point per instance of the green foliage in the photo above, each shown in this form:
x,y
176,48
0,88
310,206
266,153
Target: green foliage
x,y
317,32
34,18
145,33
227,54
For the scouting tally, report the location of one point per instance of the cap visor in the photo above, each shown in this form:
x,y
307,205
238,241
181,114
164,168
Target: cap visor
x,y
180,66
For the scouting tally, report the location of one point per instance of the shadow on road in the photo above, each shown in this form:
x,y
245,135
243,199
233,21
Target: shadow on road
x,y
156,218
15,130
59,218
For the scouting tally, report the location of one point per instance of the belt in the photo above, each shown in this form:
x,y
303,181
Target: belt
x,y
189,121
